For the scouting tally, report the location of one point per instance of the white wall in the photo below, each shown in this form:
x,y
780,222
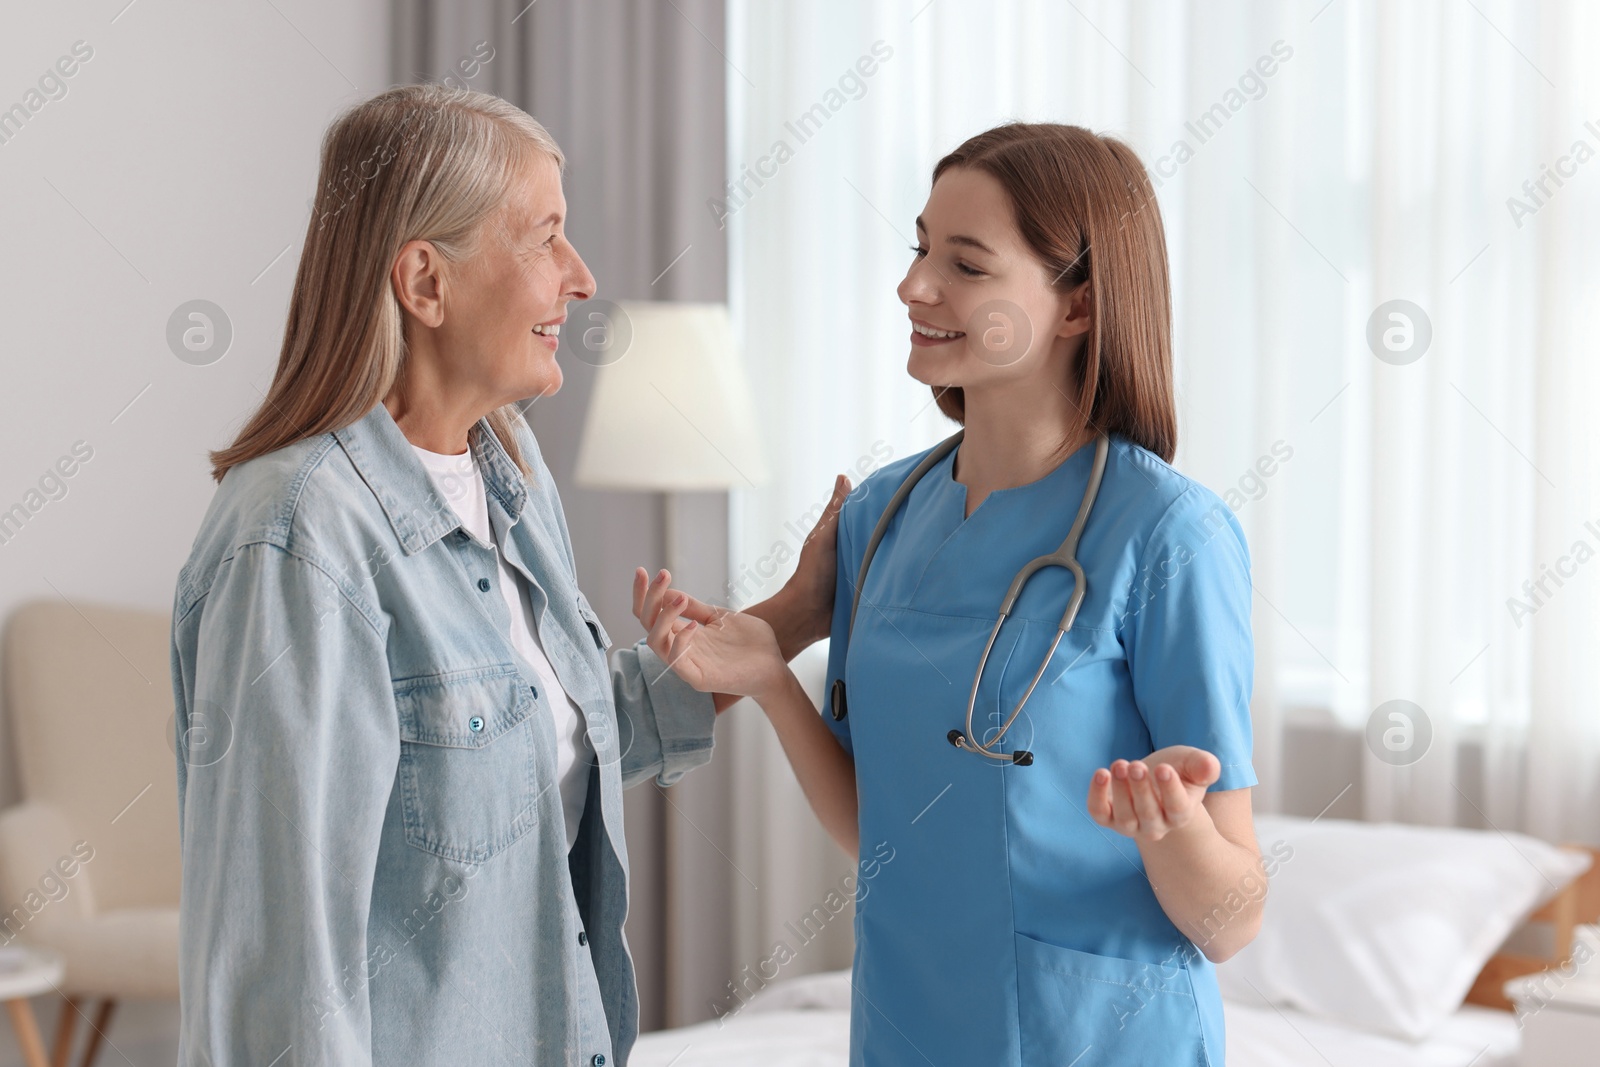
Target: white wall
x,y
178,165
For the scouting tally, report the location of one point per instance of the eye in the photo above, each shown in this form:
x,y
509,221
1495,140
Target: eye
x,y
971,272
919,250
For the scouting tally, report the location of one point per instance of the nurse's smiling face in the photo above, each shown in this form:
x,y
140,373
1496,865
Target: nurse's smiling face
x,y
984,312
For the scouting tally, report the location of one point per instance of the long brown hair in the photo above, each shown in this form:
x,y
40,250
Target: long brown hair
x,y
419,162
1087,209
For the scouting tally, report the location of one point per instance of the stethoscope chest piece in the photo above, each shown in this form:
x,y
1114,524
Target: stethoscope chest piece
x,y
1019,758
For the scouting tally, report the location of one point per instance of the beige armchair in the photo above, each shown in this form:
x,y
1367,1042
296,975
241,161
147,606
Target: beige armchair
x,y
89,860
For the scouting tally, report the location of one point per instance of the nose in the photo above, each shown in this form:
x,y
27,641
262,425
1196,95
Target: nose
x,y
918,286
576,281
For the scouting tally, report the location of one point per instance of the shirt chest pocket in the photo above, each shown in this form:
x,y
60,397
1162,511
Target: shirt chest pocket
x,y
602,639
468,773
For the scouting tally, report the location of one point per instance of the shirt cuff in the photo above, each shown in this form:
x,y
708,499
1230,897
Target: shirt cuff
x,y
683,717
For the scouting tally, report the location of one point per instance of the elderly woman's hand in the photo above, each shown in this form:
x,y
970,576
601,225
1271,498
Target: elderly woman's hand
x,y
717,650
798,615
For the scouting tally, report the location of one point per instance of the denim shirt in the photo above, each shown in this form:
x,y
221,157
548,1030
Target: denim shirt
x,y
375,867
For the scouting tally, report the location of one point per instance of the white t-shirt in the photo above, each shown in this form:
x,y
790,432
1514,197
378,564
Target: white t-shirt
x,y
461,483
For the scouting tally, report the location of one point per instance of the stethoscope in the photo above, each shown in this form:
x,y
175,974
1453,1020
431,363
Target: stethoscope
x,y
1065,556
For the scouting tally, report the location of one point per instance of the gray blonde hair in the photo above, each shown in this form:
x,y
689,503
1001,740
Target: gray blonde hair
x,y
418,162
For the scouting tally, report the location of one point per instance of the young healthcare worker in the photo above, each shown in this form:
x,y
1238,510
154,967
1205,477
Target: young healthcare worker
x,y
1058,890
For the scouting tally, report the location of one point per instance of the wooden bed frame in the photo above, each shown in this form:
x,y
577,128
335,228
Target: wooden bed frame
x,y
1577,904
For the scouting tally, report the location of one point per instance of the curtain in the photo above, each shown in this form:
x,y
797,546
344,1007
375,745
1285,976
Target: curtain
x,y
1378,221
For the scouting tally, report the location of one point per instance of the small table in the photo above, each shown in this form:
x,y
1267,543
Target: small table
x,y
39,971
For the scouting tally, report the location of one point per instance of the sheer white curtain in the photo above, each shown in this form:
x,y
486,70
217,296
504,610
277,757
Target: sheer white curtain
x,y
1316,161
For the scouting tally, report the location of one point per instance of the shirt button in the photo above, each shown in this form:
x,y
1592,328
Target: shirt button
x,y
475,724
583,937
535,691
483,585
599,1059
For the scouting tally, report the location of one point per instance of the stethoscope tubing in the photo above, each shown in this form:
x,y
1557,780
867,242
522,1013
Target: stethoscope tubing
x,y
1064,556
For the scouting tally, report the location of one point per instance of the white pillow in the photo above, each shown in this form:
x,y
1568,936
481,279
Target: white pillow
x,y
1384,926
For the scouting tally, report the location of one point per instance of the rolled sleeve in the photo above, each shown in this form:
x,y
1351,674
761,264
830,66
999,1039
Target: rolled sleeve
x,y
669,722
1189,646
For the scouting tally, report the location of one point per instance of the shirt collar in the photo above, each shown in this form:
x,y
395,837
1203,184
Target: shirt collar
x,y
418,514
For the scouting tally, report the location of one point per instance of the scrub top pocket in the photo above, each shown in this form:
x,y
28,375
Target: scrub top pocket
x,y
1087,1010
467,769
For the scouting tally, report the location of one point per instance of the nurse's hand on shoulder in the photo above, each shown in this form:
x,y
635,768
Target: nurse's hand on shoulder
x,y
715,650
1148,798
810,589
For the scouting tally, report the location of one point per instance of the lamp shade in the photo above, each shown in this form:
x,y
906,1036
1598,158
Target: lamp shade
x,y
672,410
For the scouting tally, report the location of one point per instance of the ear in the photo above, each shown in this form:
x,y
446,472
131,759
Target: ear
x,y
418,281
1076,320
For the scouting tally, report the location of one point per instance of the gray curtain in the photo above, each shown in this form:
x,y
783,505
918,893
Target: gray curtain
x,y
633,91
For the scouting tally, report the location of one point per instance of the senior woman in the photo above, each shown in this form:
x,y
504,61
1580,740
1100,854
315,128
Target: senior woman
x,y
402,749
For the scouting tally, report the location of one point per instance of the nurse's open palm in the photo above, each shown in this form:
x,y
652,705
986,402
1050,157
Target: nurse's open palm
x,y
1148,798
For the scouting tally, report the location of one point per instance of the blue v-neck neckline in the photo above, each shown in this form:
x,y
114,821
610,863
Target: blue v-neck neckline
x,y
1081,457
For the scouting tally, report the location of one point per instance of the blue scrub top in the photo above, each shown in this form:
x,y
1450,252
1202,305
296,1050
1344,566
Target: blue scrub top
x,y
996,923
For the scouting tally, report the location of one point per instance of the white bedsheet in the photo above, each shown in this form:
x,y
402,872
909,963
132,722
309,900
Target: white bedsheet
x,y
1265,1037
768,1039
807,1024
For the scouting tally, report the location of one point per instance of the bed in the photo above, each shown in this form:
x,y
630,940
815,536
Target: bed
x,y
1275,1016
1257,1037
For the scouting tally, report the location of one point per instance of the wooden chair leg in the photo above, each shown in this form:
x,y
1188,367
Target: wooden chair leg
x,y
66,1029
27,1031
102,1021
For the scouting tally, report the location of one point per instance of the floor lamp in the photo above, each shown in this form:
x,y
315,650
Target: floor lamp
x,y
671,409
671,412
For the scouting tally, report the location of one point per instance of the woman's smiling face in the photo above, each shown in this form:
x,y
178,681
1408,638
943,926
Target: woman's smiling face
x,y
482,331
508,301
982,305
